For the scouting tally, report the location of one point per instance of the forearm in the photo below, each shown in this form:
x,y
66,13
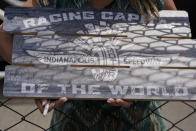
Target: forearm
x,y
6,42
100,3
169,5
6,39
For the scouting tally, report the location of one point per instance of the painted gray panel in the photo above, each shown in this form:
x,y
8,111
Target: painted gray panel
x,y
19,19
141,40
69,50
141,45
137,83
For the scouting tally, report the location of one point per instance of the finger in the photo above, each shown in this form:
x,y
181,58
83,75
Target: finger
x,y
60,101
124,103
57,103
44,102
115,104
51,107
38,102
111,100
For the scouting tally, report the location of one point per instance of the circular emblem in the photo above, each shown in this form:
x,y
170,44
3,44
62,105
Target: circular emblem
x,y
107,56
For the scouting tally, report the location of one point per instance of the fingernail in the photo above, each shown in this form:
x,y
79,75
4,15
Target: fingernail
x,y
65,99
44,102
118,100
52,105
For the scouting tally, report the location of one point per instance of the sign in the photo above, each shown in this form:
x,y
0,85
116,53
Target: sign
x,y
69,21
138,83
105,52
98,54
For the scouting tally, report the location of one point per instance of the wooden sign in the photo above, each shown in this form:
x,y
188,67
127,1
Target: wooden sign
x,y
93,21
98,54
91,83
105,52
121,36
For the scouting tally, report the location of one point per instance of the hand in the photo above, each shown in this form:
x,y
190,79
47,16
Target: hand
x,y
119,102
42,102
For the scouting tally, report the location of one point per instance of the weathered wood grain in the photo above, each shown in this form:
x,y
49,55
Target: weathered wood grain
x,y
142,42
49,45
104,51
54,44
28,20
82,83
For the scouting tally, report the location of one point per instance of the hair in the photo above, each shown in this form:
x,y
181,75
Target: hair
x,y
146,8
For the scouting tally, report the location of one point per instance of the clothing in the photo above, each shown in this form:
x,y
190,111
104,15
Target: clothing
x,y
99,115
117,4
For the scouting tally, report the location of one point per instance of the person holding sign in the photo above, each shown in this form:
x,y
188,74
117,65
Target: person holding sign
x,y
115,114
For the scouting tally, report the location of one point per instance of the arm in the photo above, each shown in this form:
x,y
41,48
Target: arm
x,y
6,43
6,39
169,5
100,3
